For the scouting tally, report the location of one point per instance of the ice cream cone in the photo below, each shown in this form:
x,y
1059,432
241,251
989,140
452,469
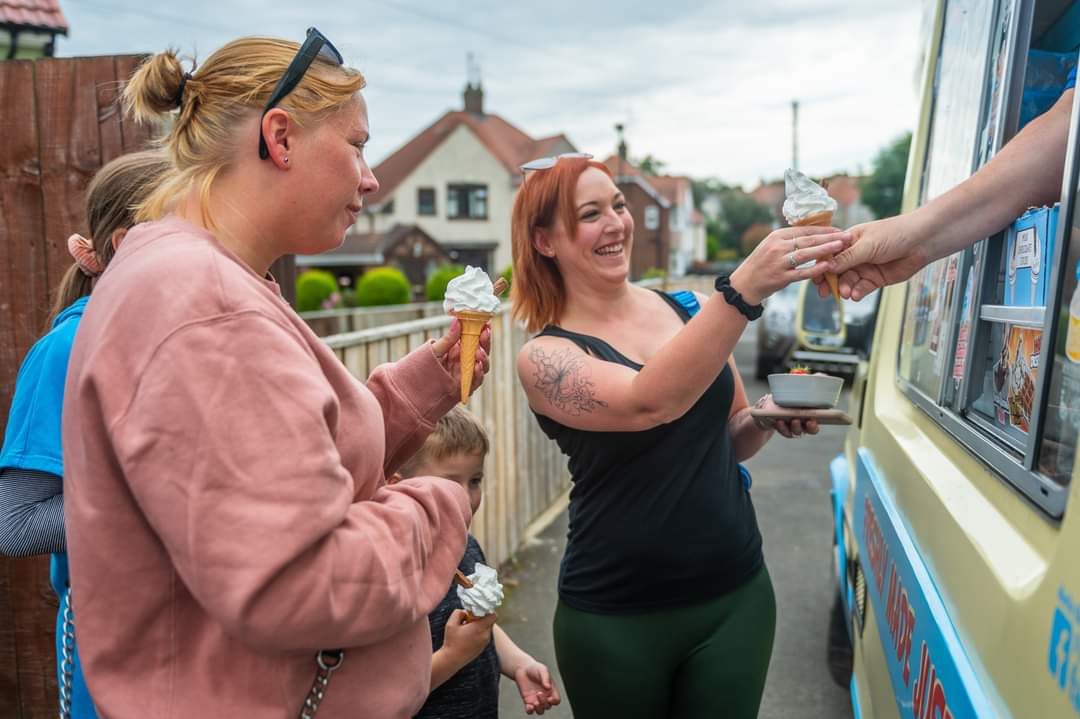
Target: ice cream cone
x,y
472,324
822,219
470,617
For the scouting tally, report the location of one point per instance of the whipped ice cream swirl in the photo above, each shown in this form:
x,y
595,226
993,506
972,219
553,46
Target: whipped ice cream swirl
x,y
470,291
486,593
804,197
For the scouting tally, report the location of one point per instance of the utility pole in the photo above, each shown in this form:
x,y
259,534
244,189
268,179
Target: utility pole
x,y
795,134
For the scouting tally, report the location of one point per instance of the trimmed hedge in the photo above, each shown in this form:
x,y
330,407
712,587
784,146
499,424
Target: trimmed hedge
x,y
440,278
382,286
313,287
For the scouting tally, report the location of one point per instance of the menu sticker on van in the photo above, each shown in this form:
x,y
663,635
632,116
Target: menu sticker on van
x,y
930,672
1063,652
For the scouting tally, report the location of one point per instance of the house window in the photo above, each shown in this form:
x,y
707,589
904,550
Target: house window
x,y
425,201
466,202
673,220
652,217
388,208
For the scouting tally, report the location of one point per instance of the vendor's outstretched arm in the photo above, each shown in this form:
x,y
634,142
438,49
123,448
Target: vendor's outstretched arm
x,y
1026,172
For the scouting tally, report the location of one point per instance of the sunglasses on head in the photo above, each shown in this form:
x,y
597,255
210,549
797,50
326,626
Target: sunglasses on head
x,y
315,45
546,163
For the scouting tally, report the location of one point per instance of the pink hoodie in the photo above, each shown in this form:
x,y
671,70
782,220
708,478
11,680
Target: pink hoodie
x,y
227,515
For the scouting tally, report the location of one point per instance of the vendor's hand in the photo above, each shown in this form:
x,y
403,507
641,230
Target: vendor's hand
x,y
883,253
790,428
466,640
538,692
776,262
447,350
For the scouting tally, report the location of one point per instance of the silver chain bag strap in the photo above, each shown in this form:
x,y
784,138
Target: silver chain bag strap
x,y
67,655
327,662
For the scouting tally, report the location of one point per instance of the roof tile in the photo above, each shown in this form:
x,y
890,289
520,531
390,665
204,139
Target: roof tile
x,y
510,146
44,14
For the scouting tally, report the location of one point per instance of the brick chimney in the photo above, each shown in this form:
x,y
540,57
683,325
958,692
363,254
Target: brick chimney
x,y
474,99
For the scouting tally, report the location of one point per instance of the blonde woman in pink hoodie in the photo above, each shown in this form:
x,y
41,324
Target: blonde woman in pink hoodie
x,y
234,548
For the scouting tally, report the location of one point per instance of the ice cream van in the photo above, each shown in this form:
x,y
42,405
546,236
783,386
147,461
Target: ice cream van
x,y
956,516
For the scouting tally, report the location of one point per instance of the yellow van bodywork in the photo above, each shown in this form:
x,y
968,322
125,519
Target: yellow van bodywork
x,y
1002,571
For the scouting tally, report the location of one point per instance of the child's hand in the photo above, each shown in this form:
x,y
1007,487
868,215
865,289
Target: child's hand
x,y
537,690
465,641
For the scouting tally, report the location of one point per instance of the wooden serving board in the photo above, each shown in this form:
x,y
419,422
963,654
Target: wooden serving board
x,y
822,416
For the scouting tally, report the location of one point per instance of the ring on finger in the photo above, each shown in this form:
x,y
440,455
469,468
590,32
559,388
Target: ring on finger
x,y
791,259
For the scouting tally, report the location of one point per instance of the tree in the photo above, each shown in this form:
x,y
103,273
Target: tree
x,y
883,190
651,165
708,186
741,212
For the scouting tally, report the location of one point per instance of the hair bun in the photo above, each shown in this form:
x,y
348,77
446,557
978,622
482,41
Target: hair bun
x,y
155,88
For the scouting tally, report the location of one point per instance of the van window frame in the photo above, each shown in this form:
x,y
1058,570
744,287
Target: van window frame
x,y
1013,460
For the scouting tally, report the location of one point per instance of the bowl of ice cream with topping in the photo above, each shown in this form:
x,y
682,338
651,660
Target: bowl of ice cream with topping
x,y
802,389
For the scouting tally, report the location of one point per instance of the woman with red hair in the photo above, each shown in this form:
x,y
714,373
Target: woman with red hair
x,y
665,606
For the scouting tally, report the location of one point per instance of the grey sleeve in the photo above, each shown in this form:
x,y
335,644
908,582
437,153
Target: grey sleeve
x,y
31,513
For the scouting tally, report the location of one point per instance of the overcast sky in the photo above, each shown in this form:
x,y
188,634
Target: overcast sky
x,y
704,85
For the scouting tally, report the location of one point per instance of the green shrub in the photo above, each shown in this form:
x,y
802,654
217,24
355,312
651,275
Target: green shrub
x,y
313,287
508,275
654,273
383,286
440,278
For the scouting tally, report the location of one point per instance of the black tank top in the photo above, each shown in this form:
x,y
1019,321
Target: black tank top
x,y
658,518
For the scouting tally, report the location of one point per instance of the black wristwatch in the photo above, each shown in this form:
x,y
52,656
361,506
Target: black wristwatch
x,y
733,298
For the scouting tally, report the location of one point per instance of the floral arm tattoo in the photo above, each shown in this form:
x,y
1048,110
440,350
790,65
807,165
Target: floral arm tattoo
x,y
562,379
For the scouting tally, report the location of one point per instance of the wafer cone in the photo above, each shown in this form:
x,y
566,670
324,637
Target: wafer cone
x,y
822,219
470,617
472,324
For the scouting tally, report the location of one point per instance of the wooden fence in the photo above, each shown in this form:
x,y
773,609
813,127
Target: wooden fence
x,y
60,122
525,471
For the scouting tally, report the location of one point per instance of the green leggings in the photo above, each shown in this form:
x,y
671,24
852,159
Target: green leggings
x,y
704,661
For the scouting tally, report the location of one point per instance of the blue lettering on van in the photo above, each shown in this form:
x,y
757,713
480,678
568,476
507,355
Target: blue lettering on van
x,y
1063,651
931,674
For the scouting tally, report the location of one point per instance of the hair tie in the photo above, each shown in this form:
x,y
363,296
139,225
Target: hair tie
x,y
85,256
180,92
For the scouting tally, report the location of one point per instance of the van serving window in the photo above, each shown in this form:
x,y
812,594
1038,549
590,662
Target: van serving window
x,y
986,332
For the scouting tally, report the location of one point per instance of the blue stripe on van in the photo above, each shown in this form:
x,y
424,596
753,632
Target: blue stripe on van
x,y
855,709
928,665
839,479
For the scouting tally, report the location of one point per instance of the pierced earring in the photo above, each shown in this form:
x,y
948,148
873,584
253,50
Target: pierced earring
x,y
285,160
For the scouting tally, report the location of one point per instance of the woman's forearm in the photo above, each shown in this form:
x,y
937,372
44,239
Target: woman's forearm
x,y
1026,172
747,437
